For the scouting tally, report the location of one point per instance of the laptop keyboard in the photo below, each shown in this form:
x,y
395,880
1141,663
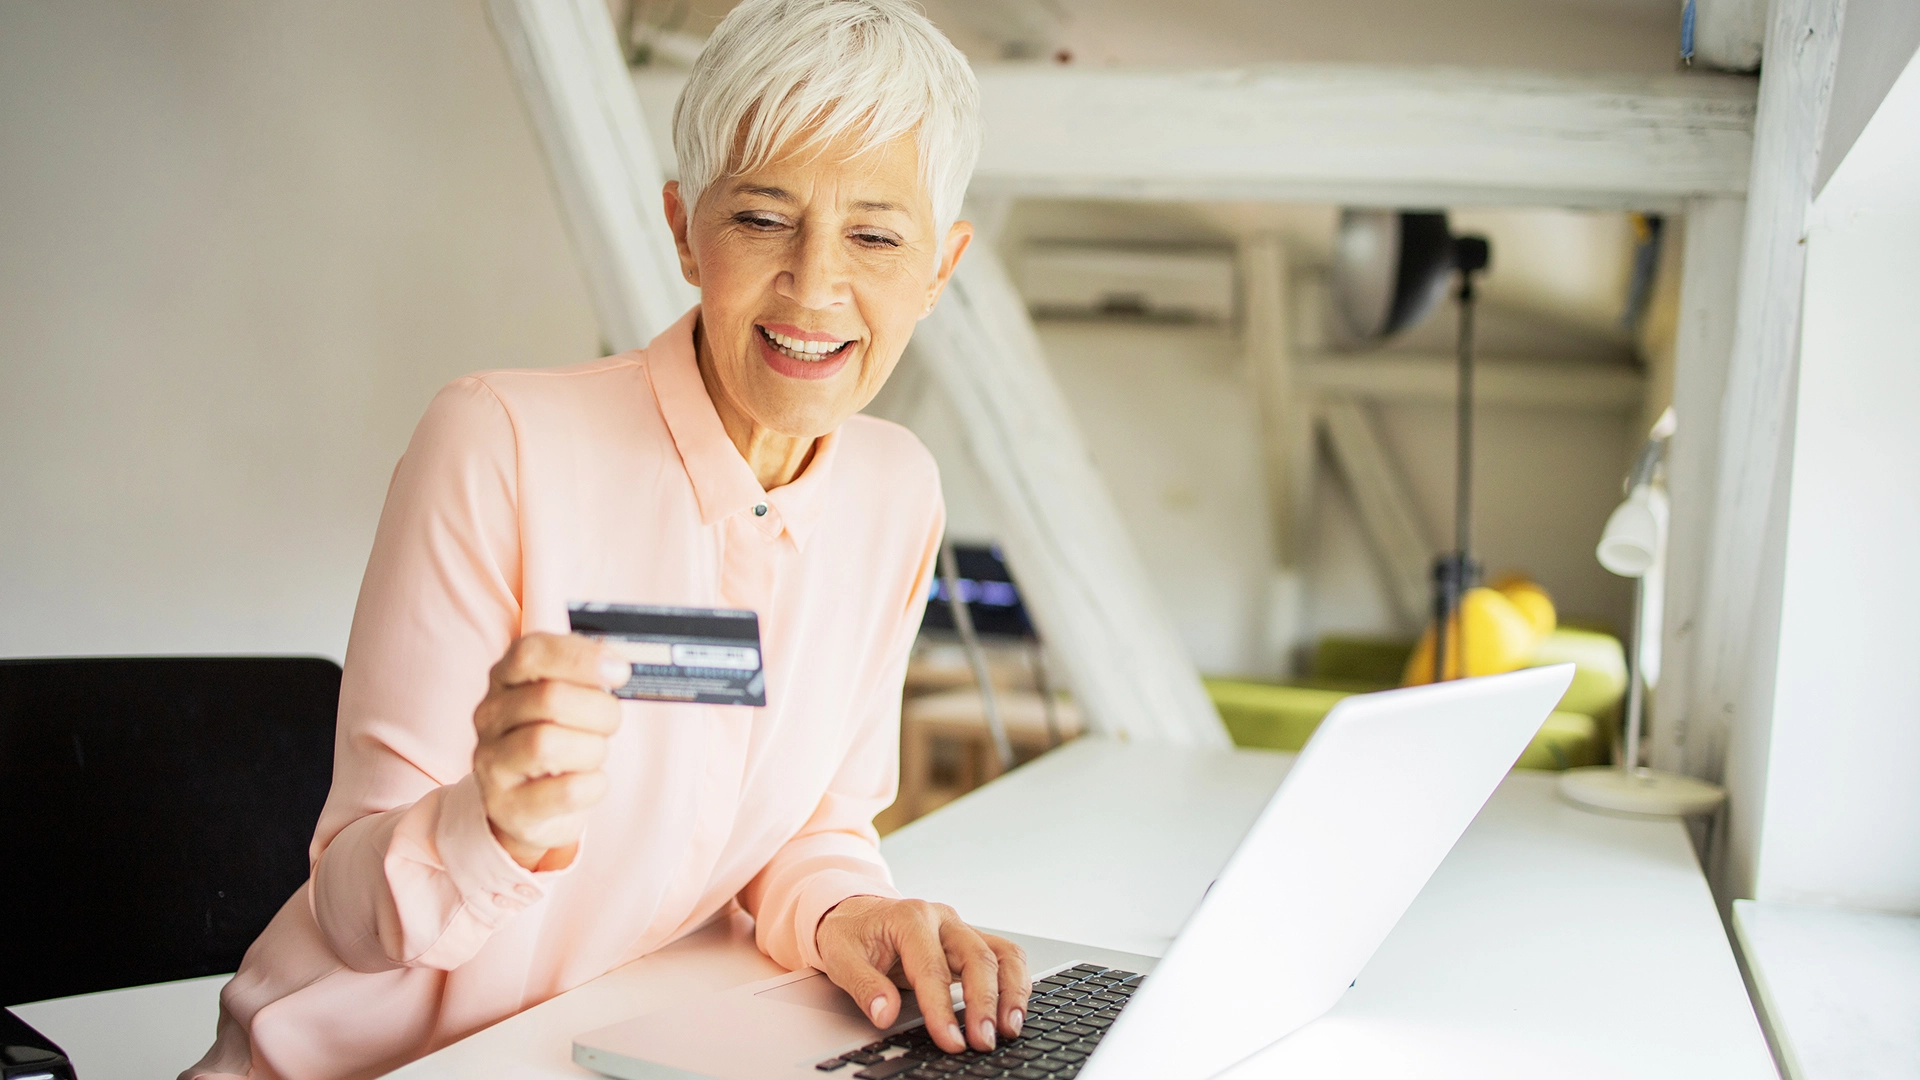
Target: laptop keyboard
x,y
1066,1016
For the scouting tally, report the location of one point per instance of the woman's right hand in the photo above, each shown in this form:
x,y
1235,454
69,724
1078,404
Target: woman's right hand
x,y
543,729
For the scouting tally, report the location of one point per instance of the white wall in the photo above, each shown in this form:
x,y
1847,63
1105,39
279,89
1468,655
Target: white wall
x,y
1841,818
241,243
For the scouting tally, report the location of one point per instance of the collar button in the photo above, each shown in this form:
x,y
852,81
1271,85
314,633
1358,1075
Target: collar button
x,y
759,509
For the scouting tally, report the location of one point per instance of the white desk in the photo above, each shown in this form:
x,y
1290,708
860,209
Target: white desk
x,y
1552,943
141,1033
1840,989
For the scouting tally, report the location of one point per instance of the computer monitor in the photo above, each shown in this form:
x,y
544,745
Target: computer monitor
x,y
987,588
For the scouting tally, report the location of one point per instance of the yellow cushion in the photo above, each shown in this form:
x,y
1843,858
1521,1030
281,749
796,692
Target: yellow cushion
x,y
1268,716
1567,740
1532,600
1271,717
1500,637
1600,669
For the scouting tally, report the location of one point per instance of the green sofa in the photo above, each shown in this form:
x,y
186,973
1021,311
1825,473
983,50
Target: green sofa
x,y
1282,716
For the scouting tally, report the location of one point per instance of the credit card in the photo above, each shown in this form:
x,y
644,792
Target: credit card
x,y
707,655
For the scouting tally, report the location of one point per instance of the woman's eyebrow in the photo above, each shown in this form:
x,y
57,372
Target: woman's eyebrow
x,y
876,207
778,194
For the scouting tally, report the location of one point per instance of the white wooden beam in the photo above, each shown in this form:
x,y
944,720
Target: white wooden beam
x,y
1434,380
1728,34
1710,235
1387,512
1065,542
576,87
1286,440
1355,135
1730,707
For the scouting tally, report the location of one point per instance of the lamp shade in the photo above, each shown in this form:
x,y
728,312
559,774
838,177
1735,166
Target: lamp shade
x,y
1630,544
1389,268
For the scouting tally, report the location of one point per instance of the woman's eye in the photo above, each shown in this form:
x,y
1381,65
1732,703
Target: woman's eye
x,y
876,239
757,221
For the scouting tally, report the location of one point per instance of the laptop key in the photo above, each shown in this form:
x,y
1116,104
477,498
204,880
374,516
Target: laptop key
x,y
889,1068
831,1064
1028,1072
981,1068
1076,1029
862,1057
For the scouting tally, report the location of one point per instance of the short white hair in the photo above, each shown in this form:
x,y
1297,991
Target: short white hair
x,y
775,70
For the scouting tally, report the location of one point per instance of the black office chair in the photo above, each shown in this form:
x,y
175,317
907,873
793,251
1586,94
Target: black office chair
x,y
154,813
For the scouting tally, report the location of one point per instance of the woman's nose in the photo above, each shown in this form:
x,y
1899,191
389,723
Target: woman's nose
x,y
817,276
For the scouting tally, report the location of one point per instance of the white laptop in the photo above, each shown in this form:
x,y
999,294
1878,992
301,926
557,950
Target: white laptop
x,y
1368,811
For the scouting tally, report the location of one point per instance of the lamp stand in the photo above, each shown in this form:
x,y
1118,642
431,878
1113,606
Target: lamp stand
x,y
1455,572
1630,788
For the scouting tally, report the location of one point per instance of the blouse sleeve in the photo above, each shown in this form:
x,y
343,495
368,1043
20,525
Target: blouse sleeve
x,y
406,870
836,854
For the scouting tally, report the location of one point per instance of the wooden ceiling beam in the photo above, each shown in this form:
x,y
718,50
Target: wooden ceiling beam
x,y
1351,135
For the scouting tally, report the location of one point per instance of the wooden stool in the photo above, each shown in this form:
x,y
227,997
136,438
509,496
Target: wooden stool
x,y
960,718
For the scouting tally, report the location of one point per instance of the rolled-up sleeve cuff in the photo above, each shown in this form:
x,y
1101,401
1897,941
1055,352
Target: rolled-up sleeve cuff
x,y
491,885
819,895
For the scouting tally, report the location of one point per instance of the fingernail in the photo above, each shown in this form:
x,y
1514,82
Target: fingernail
x,y
953,1032
986,1033
615,671
873,1010
1015,1019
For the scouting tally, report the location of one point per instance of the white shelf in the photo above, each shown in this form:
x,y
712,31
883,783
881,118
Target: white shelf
x,y
1839,991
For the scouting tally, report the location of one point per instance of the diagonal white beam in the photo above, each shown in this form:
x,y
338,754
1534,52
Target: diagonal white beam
x,y
1387,512
602,159
1078,571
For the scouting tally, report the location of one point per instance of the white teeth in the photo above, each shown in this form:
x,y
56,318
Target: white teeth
x,y
802,350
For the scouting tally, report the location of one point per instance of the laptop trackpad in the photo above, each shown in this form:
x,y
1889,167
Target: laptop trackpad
x,y
818,992
815,992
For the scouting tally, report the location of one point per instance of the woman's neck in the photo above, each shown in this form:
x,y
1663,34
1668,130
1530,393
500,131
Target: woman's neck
x,y
775,458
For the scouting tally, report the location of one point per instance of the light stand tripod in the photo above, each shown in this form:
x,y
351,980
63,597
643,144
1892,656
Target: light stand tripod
x,y
1455,572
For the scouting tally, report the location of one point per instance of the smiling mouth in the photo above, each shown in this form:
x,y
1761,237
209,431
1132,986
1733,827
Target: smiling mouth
x,y
807,352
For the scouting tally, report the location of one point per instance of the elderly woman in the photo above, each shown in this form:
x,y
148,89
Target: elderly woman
x,y
501,827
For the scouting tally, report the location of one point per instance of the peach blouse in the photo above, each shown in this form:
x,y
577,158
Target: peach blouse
x,y
522,491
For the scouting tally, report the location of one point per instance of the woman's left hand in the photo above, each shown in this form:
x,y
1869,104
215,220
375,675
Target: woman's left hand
x,y
869,943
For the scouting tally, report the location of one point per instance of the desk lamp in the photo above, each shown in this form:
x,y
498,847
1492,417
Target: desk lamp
x,y
1633,545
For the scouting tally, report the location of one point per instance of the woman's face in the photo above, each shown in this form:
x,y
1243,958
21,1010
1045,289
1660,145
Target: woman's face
x,y
812,272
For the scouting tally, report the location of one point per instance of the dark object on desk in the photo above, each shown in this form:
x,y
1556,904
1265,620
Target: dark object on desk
x,y
987,587
155,813
25,1054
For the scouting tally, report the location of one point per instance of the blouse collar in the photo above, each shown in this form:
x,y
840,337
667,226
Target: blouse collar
x,y
723,482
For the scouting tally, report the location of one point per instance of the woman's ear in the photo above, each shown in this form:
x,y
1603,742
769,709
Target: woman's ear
x,y
959,236
677,213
